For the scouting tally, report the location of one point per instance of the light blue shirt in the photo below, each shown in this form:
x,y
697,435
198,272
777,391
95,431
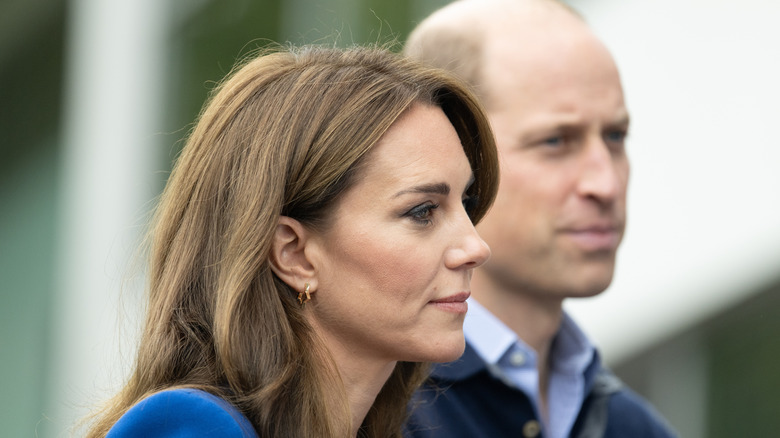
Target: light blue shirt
x,y
513,361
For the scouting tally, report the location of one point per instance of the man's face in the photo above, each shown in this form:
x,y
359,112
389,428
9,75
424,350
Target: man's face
x,y
556,107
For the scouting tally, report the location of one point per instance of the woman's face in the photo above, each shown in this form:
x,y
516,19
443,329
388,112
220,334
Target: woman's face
x,y
393,268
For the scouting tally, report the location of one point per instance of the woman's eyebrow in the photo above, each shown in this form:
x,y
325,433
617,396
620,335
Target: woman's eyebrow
x,y
435,188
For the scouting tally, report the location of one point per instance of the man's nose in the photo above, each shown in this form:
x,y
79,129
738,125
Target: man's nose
x,y
601,174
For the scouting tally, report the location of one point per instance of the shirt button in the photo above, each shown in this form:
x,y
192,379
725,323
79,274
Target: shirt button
x,y
517,359
531,429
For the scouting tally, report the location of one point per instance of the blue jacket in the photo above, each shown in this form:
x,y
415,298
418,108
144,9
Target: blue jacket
x,y
464,399
182,413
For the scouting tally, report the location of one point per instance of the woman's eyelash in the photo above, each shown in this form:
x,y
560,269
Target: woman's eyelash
x,y
422,213
470,204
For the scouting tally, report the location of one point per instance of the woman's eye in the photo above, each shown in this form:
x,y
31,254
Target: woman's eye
x,y
422,213
470,204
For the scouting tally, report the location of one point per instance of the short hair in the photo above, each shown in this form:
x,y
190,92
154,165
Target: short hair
x,y
282,135
453,37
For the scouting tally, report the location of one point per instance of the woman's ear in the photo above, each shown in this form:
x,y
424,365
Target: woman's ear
x,y
288,256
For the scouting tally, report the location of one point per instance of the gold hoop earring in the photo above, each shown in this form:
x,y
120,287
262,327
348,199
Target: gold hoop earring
x,y
305,292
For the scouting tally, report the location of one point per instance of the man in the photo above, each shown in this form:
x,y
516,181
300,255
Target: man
x,y
555,102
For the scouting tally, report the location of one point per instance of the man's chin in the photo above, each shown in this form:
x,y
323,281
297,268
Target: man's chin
x,y
590,286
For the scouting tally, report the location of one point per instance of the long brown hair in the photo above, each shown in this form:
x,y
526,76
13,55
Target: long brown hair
x,y
282,135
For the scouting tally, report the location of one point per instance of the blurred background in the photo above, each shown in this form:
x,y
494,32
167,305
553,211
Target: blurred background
x,y
96,96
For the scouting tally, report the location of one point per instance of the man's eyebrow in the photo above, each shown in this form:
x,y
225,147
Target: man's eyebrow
x,y
622,121
435,188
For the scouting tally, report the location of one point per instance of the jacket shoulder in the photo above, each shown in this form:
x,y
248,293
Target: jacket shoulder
x,y
463,399
631,415
182,413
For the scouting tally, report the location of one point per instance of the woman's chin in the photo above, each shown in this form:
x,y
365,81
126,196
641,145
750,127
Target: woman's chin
x,y
448,351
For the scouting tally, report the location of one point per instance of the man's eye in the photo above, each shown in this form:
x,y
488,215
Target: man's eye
x,y
615,136
553,141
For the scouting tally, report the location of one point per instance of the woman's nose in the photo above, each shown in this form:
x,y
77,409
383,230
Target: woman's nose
x,y
468,250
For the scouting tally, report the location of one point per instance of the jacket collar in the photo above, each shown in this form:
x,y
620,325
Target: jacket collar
x,y
469,364
599,379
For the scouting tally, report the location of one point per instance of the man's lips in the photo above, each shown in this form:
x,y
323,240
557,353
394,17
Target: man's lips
x,y
455,303
594,238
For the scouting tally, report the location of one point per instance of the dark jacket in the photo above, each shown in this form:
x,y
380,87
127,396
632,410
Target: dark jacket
x,y
464,399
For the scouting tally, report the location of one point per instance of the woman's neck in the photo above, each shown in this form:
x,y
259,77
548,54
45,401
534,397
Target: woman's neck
x,y
362,384
363,376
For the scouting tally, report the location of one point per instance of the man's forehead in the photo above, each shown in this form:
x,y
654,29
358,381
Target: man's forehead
x,y
547,67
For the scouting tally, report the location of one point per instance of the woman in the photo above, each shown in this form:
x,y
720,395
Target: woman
x,y
312,249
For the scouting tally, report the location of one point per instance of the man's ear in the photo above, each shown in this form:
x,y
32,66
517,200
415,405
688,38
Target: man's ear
x,y
288,256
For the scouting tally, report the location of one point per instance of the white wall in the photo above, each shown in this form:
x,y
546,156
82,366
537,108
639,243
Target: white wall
x,y
701,79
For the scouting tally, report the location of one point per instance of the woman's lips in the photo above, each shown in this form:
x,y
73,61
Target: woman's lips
x,y
454,303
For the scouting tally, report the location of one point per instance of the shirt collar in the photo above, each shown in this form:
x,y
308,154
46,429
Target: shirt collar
x,y
571,352
490,337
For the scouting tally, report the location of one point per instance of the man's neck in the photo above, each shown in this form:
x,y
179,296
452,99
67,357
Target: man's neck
x,y
535,319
